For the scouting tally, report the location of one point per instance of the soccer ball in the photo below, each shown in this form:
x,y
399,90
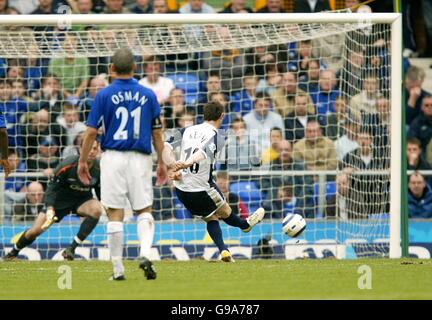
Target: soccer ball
x,y
293,225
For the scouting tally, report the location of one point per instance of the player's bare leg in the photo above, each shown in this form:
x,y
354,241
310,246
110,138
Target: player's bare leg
x,y
91,211
27,237
145,231
115,230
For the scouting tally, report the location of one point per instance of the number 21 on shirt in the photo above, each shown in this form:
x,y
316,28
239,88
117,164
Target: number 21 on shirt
x,y
122,114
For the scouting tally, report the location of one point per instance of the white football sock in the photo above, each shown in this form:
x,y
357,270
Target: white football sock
x,y
145,230
115,245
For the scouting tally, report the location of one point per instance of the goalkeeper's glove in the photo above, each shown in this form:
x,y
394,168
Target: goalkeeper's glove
x,y
50,219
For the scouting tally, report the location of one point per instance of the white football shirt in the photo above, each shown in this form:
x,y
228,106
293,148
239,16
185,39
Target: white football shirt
x,y
198,138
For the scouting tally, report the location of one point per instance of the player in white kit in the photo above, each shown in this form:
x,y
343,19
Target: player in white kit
x,y
193,176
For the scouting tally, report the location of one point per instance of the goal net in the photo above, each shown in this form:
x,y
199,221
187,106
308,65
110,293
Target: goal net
x,y
307,126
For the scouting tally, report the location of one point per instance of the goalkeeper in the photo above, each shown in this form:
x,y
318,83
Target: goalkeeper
x,y
66,194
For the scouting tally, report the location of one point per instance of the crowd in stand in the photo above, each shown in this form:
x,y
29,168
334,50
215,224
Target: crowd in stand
x,y
291,107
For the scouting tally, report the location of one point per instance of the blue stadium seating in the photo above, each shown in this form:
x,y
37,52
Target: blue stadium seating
x,y
330,190
249,193
189,83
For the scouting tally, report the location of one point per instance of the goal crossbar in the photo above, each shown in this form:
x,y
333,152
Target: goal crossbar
x,y
98,19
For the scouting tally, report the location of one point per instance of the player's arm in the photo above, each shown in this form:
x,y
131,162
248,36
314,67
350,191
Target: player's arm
x,y
158,143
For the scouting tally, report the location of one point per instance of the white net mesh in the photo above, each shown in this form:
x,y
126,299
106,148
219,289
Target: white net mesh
x,y
307,123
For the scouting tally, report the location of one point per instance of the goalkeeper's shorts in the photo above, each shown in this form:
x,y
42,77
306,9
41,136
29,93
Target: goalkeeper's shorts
x,y
71,208
202,203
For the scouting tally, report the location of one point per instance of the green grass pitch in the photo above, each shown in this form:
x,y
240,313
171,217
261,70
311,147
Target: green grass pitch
x,y
203,280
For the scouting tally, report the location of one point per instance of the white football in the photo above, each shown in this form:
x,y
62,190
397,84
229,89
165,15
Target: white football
x,y
293,225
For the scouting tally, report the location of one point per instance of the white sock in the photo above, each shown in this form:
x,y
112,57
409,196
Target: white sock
x,y
145,230
115,245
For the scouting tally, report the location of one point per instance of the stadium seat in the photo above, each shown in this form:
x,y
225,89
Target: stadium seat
x,y
189,83
330,190
249,193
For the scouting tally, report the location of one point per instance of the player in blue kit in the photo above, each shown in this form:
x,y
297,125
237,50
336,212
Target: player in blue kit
x,y
4,145
129,116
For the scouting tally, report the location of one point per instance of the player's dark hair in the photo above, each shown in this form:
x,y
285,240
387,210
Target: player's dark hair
x,y
123,61
213,111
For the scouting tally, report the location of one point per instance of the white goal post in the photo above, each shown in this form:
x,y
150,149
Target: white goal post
x,y
293,27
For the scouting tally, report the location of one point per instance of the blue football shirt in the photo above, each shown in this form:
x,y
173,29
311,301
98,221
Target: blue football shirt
x,y
126,111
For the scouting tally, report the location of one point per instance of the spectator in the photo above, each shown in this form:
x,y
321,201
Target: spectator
x,y
24,6
196,6
429,152
379,125
365,100
272,6
242,101
230,65
44,7
365,156
327,94
33,203
309,81
73,72
353,72
234,201
50,97
334,122
3,6
303,185
237,6
15,184
38,128
315,150
35,70
299,58
414,94
258,58
348,141
47,157
271,81
18,91
96,84
84,6
310,6
186,119
261,120
213,84
13,109
241,150
115,7
161,85
272,152
283,98
15,71
370,192
285,203
295,122
70,123
419,197
74,149
421,126
160,6
415,158
174,107
342,205
142,6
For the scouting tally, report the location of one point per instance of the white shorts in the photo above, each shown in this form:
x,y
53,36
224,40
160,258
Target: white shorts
x,y
126,175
